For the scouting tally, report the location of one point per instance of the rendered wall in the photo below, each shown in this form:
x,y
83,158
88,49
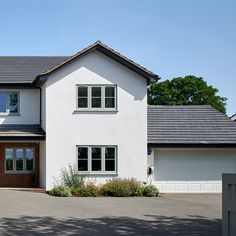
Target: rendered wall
x,y
126,128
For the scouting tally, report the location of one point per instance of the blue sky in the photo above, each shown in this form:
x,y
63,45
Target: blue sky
x,y
170,37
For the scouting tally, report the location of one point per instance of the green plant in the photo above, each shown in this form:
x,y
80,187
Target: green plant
x,y
150,191
135,187
117,188
60,191
71,177
88,190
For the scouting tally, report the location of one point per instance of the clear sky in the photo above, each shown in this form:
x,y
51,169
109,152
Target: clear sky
x,y
170,37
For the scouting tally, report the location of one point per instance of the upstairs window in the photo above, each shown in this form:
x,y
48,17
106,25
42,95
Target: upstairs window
x,y
9,103
96,97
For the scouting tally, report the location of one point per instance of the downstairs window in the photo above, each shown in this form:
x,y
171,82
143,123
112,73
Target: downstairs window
x,y
97,159
19,160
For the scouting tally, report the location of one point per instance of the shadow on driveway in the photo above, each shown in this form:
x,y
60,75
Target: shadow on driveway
x,y
152,225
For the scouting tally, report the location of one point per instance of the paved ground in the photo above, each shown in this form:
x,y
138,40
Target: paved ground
x,y
25,213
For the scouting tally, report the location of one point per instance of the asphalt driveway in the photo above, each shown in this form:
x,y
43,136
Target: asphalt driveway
x,y
25,213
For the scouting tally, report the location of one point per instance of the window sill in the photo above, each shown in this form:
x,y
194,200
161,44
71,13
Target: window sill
x,y
97,174
9,114
18,173
94,110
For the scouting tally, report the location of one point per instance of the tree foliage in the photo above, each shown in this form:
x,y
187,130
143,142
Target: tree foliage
x,y
188,90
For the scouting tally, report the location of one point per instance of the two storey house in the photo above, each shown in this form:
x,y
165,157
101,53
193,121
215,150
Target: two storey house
x,y
90,110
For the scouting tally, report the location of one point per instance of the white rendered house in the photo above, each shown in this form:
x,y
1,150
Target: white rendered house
x,y
91,110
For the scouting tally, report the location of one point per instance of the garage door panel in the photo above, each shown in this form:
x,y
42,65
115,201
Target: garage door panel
x,y
192,170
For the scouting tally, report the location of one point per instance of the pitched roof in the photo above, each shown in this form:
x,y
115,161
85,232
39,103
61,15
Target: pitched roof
x,y
31,69
21,132
101,47
169,125
24,69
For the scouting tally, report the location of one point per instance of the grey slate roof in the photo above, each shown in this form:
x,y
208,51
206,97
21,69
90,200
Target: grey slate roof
x,y
24,69
169,125
29,69
21,132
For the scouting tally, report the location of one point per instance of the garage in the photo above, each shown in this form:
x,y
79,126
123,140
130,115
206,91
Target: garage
x,y
189,147
192,170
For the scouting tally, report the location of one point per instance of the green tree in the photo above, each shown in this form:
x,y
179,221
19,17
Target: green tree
x,y
188,90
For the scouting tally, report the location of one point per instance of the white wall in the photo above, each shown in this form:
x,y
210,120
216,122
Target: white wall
x,y
127,128
29,108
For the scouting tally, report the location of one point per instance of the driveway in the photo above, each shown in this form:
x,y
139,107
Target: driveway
x,y
29,213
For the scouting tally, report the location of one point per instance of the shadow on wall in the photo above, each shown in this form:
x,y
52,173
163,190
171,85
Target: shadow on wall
x,y
155,225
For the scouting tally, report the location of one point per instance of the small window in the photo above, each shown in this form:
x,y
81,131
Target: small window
x,y
18,160
110,97
9,102
9,158
83,159
29,157
96,97
109,159
82,97
97,159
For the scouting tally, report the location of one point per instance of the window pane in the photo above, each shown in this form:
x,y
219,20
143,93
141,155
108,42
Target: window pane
x,y
82,91
96,165
9,159
82,165
109,165
96,102
19,159
96,91
29,159
96,153
13,102
82,159
3,102
110,102
110,91
96,159
110,159
82,102
82,153
110,153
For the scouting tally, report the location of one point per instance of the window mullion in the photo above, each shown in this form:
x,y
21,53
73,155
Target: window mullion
x,y
89,97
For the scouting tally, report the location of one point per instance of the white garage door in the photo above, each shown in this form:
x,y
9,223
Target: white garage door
x,y
192,170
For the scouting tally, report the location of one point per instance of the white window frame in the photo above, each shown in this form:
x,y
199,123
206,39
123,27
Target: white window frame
x,y
89,98
102,172
8,113
14,171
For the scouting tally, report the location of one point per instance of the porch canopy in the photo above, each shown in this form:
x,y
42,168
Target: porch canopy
x,y
21,132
